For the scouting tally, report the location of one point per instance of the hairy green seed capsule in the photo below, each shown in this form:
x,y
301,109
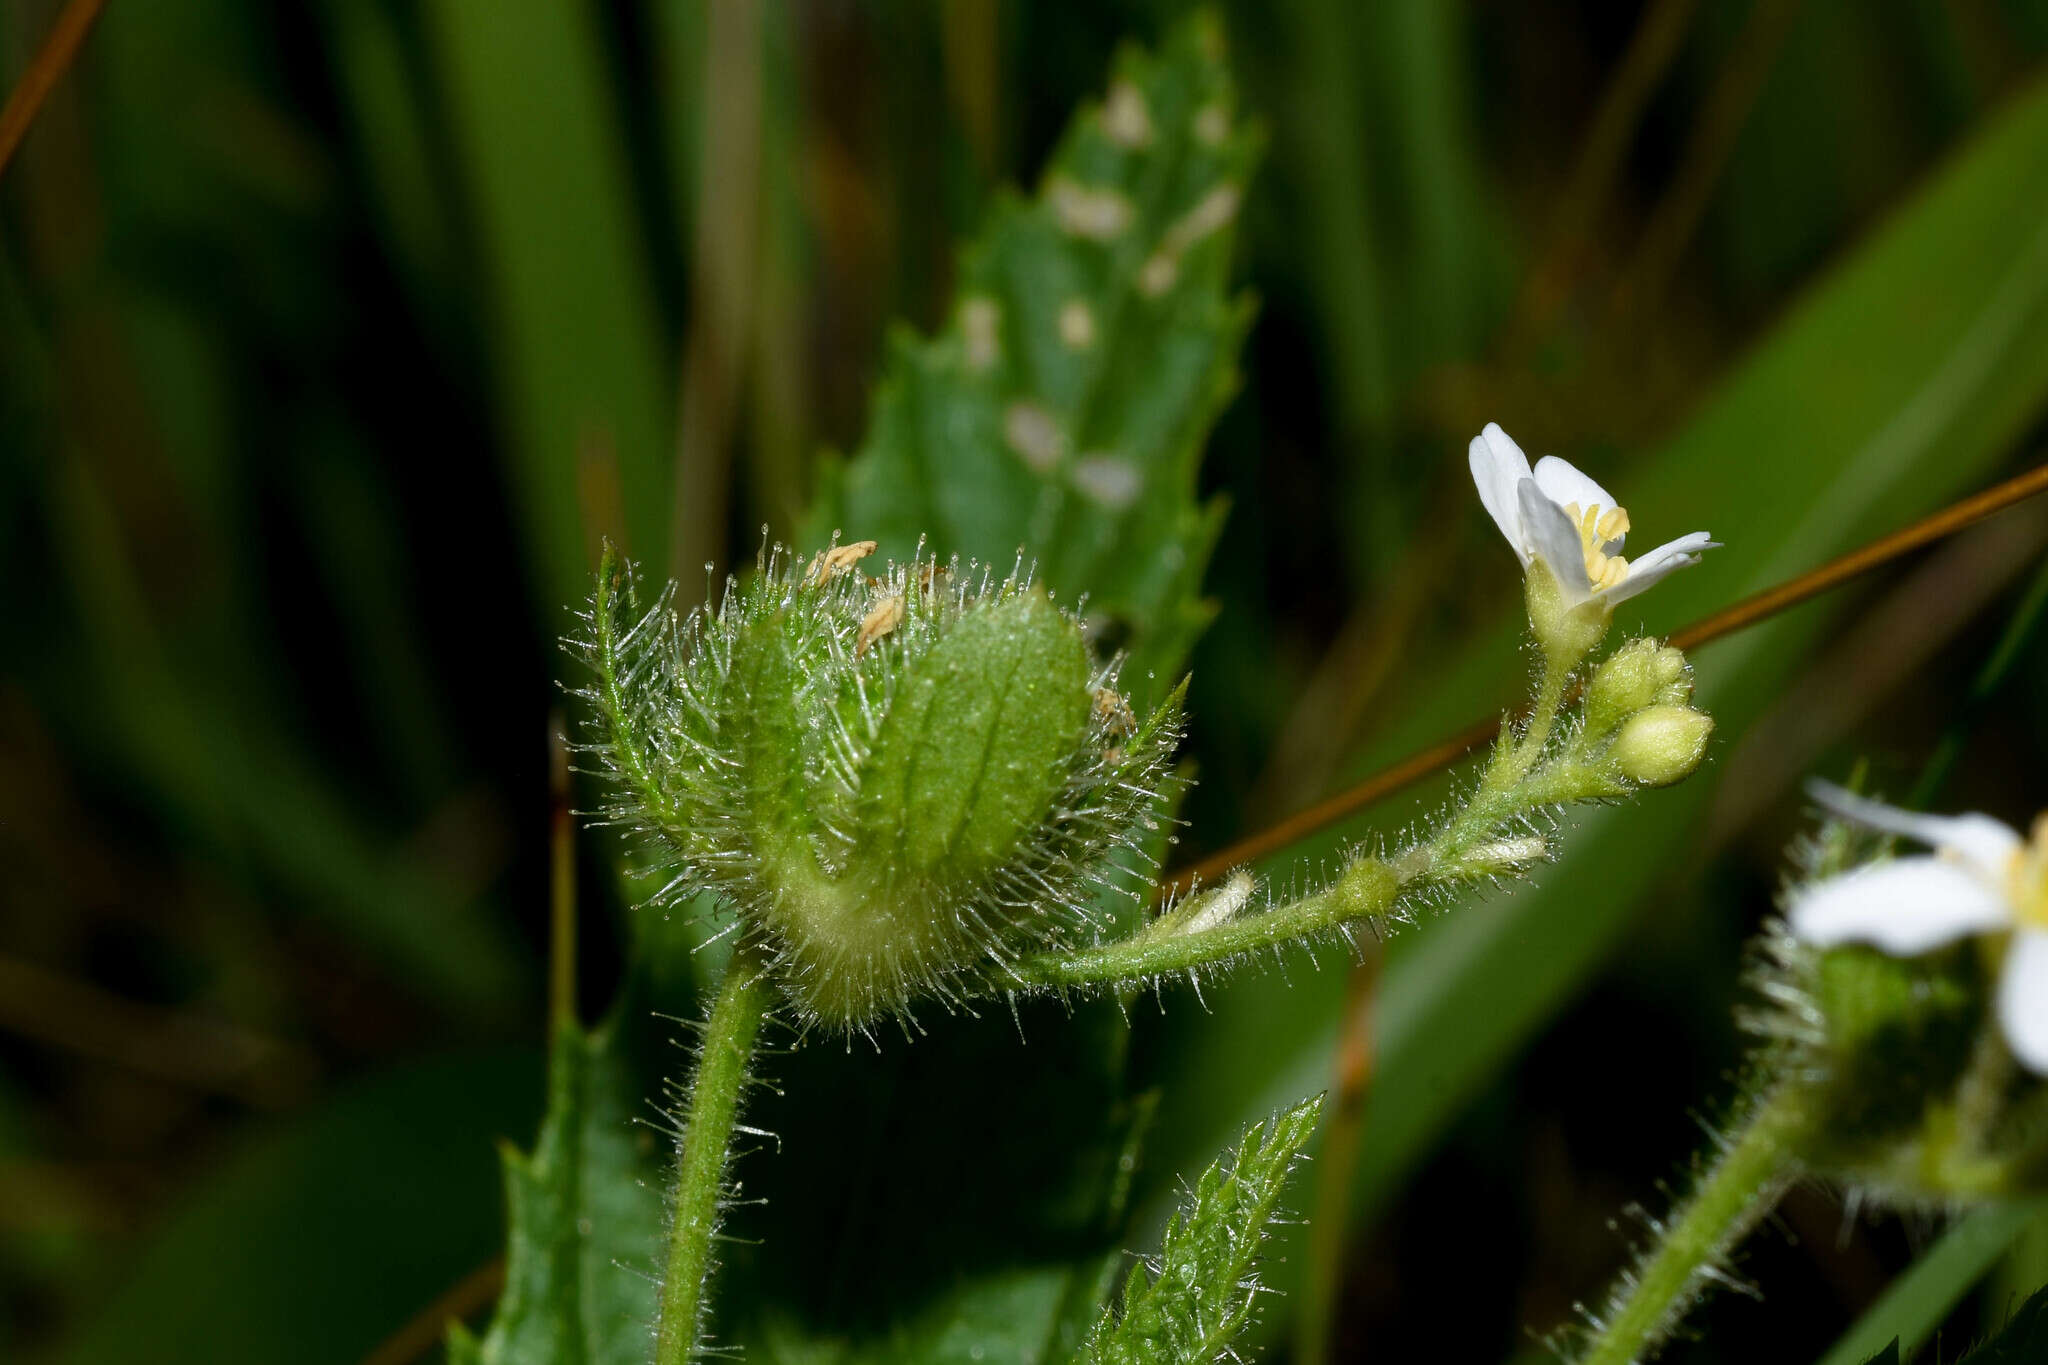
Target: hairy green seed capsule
x,y
899,785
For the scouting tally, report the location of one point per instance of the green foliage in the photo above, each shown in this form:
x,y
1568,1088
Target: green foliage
x,y
1923,394
1091,344
2022,1341
898,785
1914,1305
1194,1299
583,1232
291,326
1899,1035
324,1234
576,345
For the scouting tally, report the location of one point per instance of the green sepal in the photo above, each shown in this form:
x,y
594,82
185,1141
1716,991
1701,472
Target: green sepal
x,y
769,713
1566,632
975,745
1898,1037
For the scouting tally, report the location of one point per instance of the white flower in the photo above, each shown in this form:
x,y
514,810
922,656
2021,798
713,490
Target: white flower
x,y
1982,878
1558,515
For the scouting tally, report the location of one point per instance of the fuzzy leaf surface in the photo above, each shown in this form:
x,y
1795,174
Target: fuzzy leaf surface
x,y
1092,343
1202,1290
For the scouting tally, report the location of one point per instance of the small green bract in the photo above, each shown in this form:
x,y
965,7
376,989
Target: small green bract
x,y
898,785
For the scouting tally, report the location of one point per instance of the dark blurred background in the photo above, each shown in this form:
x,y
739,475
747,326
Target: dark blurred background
x,y
334,336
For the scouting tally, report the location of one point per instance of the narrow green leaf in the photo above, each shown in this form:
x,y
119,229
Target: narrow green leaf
x,y
1197,1295
586,402
1062,409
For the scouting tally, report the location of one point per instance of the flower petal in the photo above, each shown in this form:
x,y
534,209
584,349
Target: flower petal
x,y
1498,468
1980,843
1903,905
2023,999
1555,541
1562,482
1644,573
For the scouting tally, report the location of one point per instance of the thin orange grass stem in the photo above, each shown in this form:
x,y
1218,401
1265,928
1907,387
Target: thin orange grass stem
x,y
561,882
59,50
1727,621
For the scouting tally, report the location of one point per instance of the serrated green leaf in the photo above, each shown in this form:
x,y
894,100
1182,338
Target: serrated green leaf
x,y
2023,1339
585,1220
1191,1303
1093,341
1917,1302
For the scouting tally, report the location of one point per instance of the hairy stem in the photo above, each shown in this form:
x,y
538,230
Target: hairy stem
x,y
702,1153
1516,782
1757,1163
1527,748
1368,887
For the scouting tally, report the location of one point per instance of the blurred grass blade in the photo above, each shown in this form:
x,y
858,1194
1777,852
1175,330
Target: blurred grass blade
x,y
245,792
723,268
578,348
318,1237
1920,1299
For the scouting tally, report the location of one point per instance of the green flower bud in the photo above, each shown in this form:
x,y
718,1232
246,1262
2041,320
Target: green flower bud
x,y
1677,692
1566,632
1641,673
1661,744
899,785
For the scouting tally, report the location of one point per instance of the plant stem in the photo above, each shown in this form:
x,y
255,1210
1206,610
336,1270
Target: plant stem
x,y
1755,1166
702,1152
1528,746
1368,887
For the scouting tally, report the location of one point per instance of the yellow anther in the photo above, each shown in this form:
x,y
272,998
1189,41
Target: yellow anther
x,y
2027,877
1599,528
